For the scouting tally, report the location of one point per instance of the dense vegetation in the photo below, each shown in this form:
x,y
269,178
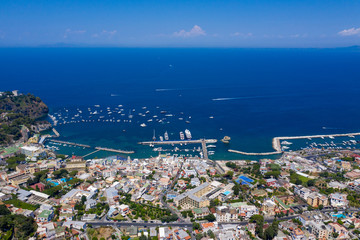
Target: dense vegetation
x,y
16,111
16,226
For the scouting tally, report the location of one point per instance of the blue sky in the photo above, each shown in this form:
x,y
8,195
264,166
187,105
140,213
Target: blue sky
x,y
181,23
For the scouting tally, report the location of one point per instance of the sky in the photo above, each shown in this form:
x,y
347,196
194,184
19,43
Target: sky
x,y
180,23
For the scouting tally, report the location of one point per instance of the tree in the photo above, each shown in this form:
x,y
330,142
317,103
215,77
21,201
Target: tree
x,y
229,174
210,217
4,210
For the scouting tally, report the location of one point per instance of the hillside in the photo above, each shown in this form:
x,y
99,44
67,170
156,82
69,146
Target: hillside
x,y
18,111
28,104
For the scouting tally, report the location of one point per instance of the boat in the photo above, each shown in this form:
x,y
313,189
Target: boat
x,y
211,117
161,138
166,136
130,115
286,143
182,137
143,125
226,139
154,138
211,146
188,134
187,122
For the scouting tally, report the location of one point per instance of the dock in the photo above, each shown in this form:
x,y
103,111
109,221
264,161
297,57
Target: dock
x,y
114,150
203,143
70,143
179,142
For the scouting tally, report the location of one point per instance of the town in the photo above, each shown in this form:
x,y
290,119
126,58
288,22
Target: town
x,y
313,193
307,194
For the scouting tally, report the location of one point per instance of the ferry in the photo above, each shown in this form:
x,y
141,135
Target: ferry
x,y
188,133
166,136
182,137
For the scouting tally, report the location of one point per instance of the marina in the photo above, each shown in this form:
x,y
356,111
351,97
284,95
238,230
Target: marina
x,y
277,143
203,143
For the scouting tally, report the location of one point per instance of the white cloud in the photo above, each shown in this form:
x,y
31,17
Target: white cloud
x,y
71,32
350,32
105,33
194,32
239,34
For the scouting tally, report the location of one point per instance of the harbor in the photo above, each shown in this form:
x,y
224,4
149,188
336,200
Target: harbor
x,y
203,143
277,144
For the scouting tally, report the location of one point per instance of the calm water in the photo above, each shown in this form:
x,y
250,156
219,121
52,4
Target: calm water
x,y
252,94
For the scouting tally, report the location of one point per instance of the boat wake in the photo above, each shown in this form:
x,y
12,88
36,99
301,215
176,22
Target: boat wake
x,y
236,98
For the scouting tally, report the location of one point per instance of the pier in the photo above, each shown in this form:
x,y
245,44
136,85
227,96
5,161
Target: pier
x,y
91,153
203,143
114,150
71,143
56,132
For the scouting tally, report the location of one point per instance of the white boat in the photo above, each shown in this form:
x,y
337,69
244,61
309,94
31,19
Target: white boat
x,y
188,134
166,136
161,138
211,117
182,137
143,125
211,146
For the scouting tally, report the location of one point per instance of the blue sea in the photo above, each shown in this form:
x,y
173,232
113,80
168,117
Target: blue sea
x,y
252,95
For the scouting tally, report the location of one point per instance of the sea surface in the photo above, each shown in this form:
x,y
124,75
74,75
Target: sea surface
x,y
252,95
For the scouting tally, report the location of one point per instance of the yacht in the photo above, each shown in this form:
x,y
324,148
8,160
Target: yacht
x,y
182,137
166,136
188,133
161,138
143,125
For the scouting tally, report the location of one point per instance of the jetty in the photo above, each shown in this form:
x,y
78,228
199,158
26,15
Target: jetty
x,y
70,143
253,154
91,153
56,132
114,150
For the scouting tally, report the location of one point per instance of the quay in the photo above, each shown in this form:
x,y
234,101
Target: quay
x,y
203,143
114,150
70,143
179,142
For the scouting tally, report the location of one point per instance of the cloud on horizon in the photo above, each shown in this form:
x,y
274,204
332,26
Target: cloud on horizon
x,y
350,32
196,31
71,32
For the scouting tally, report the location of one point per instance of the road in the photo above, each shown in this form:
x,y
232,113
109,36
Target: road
x,y
141,224
164,203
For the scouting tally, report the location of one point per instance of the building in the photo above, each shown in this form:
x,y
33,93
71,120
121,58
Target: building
x,y
194,198
226,214
200,212
338,200
45,216
316,199
319,229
